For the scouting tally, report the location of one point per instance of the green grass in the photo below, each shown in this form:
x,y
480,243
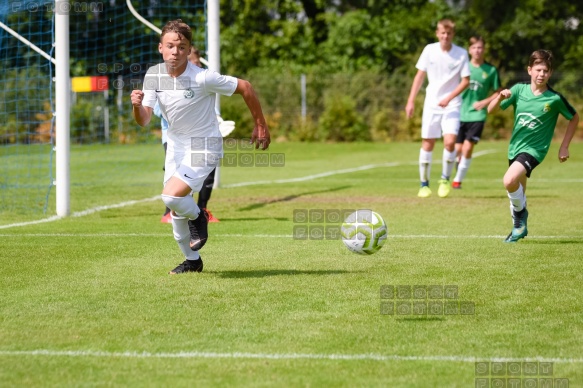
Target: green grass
x,y
91,295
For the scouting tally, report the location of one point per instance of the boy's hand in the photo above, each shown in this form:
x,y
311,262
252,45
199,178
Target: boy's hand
x,y
563,154
506,93
261,137
137,97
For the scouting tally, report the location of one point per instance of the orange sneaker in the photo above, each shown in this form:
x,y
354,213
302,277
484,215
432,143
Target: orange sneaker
x,y
166,218
211,217
456,185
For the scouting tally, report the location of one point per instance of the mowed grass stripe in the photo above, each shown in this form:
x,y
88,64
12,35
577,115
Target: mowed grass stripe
x,y
276,356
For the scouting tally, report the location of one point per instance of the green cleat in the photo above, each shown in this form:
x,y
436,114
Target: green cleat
x,y
444,188
519,230
424,192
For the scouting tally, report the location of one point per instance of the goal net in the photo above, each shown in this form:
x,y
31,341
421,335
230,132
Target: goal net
x,y
110,50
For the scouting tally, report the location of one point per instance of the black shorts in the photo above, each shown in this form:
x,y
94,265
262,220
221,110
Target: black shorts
x,y
470,131
527,160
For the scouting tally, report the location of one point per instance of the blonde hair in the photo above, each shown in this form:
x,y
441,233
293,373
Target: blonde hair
x,y
448,24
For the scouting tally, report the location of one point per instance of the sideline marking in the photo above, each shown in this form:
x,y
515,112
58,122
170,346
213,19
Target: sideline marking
x,y
282,356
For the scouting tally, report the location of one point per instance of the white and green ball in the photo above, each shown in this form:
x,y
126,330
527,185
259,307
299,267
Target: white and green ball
x,y
364,232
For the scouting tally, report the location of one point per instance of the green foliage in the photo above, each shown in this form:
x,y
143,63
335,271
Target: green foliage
x,y
340,120
365,50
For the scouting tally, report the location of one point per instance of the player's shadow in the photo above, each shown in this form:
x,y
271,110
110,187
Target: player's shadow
x,y
276,272
554,241
255,219
289,198
420,319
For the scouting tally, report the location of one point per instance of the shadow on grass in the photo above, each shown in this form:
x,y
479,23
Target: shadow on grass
x,y
290,198
255,219
420,319
275,272
554,241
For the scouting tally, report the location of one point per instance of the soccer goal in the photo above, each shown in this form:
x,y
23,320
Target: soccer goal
x,y
110,46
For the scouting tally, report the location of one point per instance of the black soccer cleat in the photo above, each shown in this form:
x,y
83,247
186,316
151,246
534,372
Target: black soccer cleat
x,y
199,230
188,266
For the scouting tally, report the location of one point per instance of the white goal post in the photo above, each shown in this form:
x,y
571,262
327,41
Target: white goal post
x,y
62,107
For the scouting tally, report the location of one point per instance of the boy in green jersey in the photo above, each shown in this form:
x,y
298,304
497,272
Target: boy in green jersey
x,y
484,87
536,111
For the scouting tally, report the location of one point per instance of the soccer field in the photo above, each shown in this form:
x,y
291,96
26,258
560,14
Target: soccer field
x,y
86,300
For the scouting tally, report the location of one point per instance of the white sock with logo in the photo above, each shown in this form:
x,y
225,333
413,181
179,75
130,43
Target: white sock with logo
x,y
425,165
447,163
517,199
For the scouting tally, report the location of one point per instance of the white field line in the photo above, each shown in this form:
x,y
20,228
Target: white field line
x,y
273,236
281,356
82,213
315,176
344,171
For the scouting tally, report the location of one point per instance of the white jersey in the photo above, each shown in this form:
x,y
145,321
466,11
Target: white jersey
x,y
444,73
188,103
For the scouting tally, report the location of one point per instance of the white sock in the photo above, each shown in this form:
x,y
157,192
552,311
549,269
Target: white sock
x,y
182,206
425,165
182,237
462,169
448,162
517,199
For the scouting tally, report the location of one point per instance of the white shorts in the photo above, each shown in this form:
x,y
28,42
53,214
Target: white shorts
x,y
436,124
189,166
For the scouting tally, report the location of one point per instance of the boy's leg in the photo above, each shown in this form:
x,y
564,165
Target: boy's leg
x,y
459,142
515,184
464,165
205,192
425,157
183,209
450,125
449,154
189,222
204,195
472,135
430,131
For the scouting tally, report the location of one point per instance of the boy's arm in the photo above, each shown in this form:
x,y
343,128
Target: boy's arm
x,y
479,105
571,128
260,136
417,82
495,103
456,92
142,114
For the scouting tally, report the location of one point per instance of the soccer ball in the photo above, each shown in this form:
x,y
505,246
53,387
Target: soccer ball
x,y
364,232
